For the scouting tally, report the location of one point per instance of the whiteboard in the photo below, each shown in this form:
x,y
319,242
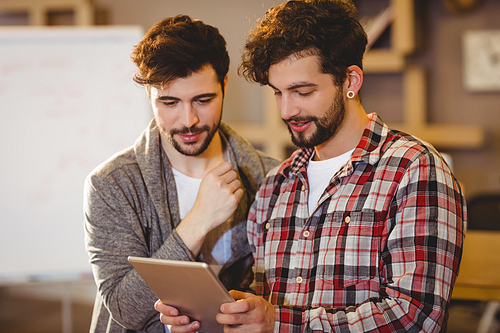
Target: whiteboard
x,y
67,104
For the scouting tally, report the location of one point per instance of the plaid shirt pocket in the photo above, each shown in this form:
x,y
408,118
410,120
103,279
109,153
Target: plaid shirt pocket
x,y
352,255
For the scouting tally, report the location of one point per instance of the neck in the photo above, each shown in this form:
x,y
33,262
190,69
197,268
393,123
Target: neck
x,y
347,136
196,166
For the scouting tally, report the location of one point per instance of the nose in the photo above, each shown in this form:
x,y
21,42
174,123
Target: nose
x,y
189,116
286,107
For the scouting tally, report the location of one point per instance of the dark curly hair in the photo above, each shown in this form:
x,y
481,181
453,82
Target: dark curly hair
x,y
176,47
326,28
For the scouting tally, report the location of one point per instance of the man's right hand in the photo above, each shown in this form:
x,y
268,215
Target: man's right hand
x,y
176,324
217,199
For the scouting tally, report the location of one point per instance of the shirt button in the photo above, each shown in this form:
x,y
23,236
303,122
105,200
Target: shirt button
x,y
347,219
299,279
303,188
306,233
268,225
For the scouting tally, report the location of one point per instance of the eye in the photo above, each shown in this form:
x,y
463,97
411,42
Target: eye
x,y
277,92
170,103
307,93
205,100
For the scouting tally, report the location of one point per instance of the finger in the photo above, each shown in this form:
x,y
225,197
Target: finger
x,y
192,327
221,169
236,294
239,194
175,320
229,176
169,315
166,309
240,306
234,185
228,319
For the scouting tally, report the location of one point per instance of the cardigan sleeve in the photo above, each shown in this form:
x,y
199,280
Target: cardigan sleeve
x,y
115,213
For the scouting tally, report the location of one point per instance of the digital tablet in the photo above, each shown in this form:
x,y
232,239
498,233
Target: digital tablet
x,y
191,287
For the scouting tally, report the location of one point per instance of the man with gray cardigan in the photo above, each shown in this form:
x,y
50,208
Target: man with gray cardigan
x,y
182,191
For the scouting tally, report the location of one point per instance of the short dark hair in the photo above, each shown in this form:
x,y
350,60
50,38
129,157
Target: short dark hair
x,y
175,48
326,28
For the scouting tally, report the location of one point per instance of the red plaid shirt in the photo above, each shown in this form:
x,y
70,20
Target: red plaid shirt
x,y
382,249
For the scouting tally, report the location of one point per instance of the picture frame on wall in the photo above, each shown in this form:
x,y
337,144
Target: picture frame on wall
x,y
481,49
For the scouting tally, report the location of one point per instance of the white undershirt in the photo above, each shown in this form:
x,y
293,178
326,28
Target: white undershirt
x,y
187,189
319,174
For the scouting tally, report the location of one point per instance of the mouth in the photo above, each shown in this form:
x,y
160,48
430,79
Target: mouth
x,y
299,126
190,137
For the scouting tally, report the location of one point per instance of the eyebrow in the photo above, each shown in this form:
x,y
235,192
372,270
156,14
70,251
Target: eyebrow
x,y
200,96
296,85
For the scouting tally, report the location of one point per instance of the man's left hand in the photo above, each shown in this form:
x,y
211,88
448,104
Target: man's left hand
x,y
249,313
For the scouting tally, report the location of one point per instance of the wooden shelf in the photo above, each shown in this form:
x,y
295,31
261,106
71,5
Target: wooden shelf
x,y
38,9
442,136
383,61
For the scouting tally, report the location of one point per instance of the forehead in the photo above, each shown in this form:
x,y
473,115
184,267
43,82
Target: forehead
x,y
203,81
293,70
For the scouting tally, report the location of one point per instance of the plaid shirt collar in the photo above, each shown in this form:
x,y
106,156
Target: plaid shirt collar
x,y
367,150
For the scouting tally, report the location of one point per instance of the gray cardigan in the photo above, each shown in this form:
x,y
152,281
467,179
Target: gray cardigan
x,y
131,209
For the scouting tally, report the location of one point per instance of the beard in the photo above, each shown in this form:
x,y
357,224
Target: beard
x,y
326,126
192,148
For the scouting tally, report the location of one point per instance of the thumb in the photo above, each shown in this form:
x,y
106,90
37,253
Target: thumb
x,y
236,294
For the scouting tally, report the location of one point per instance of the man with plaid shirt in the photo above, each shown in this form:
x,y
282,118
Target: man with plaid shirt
x,y
361,229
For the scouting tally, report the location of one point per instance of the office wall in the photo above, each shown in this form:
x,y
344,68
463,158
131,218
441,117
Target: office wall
x,y
440,52
439,33
449,101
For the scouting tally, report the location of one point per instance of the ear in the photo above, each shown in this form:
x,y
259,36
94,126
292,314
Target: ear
x,y
225,83
354,79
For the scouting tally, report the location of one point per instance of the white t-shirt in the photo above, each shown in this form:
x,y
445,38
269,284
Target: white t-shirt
x,y
319,174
